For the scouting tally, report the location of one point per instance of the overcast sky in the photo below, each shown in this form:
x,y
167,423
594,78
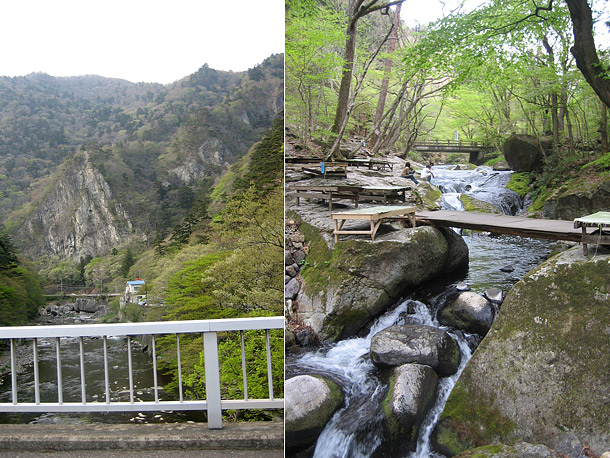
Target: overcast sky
x,y
137,40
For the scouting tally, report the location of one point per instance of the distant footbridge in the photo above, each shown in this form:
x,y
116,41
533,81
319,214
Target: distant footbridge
x,y
473,149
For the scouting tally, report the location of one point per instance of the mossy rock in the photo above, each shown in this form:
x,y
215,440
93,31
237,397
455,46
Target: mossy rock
x,y
310,403
578,198
410,397
428,196
348,284
475,205
544,367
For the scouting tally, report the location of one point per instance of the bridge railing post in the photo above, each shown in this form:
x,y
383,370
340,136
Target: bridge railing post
x,y
212,380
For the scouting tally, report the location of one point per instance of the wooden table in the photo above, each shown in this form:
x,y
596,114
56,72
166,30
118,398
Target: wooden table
x,y
600,220
327,193
328,169
375,215
379,164
383,193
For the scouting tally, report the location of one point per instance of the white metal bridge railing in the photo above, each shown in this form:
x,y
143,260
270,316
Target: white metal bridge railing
x,y
209,328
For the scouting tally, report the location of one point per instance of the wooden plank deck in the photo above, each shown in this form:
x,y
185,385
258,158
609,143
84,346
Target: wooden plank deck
x,y
503,224
552,229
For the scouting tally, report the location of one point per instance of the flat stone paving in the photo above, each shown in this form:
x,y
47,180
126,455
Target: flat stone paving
x,y
16,440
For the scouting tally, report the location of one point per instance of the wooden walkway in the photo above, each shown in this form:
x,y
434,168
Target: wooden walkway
x,y
503,224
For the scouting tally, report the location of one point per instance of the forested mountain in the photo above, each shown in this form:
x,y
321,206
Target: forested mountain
x,y
88,163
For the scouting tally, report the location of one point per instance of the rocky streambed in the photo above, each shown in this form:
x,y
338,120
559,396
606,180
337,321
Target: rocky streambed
x,y
370,366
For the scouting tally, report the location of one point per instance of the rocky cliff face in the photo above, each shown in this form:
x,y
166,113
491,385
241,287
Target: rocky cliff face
x,y
76,216
543,371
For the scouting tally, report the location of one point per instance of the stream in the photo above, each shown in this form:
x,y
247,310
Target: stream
x,y
495,261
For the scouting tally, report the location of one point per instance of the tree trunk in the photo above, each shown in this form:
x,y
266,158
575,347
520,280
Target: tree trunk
x,y
388,69
584,50
346,78
555,119
603,128
570,132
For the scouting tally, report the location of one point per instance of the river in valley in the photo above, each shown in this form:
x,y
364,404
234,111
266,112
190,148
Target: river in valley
x,y
495,261
95,387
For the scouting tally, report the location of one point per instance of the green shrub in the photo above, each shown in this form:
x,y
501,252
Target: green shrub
x,y
231,376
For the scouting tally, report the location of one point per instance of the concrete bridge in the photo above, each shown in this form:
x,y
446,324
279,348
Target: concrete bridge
x,y
473,149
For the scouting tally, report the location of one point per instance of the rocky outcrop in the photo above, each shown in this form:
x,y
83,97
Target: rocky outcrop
x,y
310,402
414,343
428,196
525,153
347,285
212,156
77,216
411,394
470,312
543,369
578,200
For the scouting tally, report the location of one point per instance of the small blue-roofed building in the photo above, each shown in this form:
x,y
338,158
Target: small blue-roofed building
x,y
135,291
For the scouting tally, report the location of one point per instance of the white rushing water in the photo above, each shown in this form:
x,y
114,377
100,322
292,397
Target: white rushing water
x,y
348,361
352,431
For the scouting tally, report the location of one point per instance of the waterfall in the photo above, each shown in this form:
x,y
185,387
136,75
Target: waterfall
x,y
347,363
482,183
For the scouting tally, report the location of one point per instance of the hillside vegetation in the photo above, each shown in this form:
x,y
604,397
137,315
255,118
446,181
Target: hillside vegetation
x,y
138,161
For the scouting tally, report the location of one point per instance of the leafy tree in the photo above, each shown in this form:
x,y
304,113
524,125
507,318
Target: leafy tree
x,y
584,50
8,258
313,41
128,261
20,291
356,10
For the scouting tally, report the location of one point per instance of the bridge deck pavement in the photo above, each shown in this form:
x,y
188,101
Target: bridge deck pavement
x,y
127,437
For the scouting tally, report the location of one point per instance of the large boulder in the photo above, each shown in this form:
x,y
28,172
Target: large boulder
x,y
470,312
87,305
309,404
416,343
578,199
543,369
410,397
348,285
525,153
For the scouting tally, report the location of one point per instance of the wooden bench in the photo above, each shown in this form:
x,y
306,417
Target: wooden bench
x,y
600,220
375,215
327,193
